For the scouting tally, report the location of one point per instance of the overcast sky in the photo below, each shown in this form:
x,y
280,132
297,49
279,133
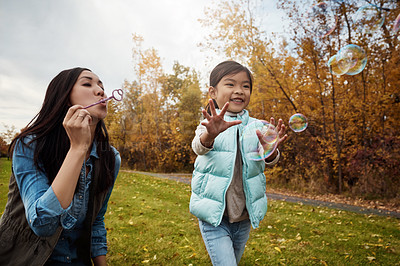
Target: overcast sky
x,y
38,39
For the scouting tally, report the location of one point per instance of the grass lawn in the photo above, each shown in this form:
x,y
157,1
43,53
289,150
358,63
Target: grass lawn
x,y
148,222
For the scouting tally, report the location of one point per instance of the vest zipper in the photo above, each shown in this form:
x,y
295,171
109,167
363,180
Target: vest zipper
x,y
245,189
231,175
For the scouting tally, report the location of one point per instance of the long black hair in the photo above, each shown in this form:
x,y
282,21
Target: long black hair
x,y
52,142
227,68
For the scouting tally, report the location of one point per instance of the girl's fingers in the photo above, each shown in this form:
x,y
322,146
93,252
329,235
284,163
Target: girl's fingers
x,y
272,121
234,123
260,137
283,139
279,125
224,109
282,129
212,108
206,115
204,123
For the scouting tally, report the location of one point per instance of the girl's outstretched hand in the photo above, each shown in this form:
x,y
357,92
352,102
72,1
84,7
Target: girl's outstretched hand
x,y
215,123
280,130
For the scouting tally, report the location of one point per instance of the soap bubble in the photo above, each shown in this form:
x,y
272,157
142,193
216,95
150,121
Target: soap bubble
x,y
338,67
355,56
396,24
251,144
321,19
368,19
298,122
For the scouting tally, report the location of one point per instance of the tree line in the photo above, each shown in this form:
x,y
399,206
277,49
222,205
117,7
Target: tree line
x,y
352,141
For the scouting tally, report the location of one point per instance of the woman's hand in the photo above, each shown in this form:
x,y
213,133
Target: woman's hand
x,y
215,124
76,124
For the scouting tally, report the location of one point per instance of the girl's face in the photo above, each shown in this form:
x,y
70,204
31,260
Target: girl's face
x,y
234,89
87,90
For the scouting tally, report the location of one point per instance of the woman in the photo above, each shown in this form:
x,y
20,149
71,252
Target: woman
x,y
63,172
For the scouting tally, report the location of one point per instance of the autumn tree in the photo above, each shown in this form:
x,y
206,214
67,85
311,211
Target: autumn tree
x,y
153,126
347,114
3,147
5,139
182,91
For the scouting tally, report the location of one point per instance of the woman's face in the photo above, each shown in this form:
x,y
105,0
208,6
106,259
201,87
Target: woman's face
x,y
87,90
234,89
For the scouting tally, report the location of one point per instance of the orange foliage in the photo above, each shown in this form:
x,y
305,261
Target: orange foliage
x,y
354,121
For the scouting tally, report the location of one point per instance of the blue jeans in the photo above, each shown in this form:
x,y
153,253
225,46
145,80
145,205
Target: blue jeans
x,y
225,243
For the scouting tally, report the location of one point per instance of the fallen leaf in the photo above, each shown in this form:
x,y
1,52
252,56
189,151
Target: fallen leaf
x,y
370,258
374,245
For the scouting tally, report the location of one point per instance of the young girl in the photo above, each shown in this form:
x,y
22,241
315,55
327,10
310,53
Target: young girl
x,y
228,189
63,172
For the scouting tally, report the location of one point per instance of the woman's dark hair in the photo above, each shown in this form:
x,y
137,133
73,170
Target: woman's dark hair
x,y
227,68
52,142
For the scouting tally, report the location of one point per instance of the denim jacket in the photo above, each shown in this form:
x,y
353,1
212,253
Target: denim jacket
x,y
46,223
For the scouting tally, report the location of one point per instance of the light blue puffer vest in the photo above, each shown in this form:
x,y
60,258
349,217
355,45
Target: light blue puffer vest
x,y
213,173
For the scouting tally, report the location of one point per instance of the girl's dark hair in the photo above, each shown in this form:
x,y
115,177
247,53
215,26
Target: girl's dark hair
x,y
52,142
227,68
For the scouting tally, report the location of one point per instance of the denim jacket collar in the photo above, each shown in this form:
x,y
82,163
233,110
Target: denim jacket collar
x,y
93,152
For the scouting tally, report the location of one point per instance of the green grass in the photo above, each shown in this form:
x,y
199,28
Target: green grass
x,y
148,222
5,172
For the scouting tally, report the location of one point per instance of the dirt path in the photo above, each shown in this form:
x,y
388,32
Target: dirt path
x,y
185,178
334,205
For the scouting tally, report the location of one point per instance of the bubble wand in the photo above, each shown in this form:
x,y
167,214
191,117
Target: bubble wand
x,y
117,95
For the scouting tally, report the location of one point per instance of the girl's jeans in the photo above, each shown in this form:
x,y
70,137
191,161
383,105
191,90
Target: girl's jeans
x,y
225,244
